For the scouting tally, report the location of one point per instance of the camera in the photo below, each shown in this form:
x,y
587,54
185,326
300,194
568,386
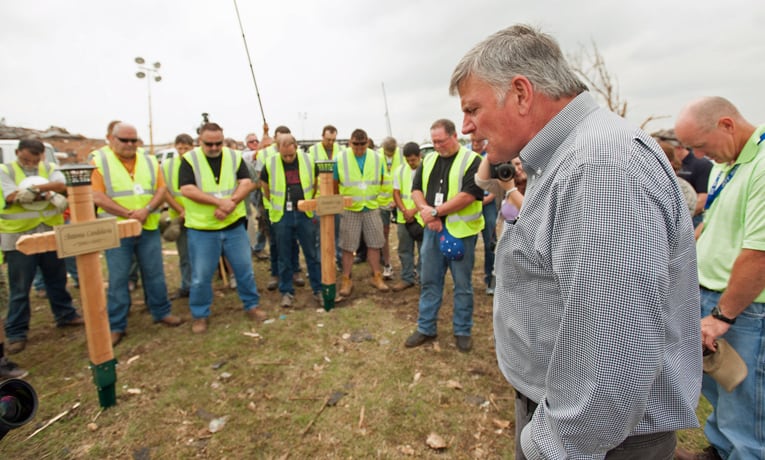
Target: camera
x,y
503,171
18,404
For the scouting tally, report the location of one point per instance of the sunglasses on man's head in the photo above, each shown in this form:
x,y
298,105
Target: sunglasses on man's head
x,y
213,144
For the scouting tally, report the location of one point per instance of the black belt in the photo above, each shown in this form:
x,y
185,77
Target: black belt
x,y
531,406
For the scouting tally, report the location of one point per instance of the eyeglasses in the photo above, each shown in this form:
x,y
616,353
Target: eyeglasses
x,y
359,143
128,140
251,141
213,144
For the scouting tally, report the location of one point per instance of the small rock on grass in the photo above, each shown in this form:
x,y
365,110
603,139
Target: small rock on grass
x,y
435,441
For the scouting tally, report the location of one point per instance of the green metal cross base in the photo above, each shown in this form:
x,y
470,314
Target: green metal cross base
x,y
328,293
105,378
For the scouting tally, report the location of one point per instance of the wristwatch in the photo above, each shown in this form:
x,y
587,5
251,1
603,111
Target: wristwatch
x,y
718,315
434,212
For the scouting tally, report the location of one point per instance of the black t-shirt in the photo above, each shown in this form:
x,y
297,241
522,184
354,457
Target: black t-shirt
x,y
696,171
186,177
292,178
439,179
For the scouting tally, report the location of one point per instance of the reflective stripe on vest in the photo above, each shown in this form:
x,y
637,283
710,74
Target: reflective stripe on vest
x,y
201,216
405,177
277,186
362,186
468,220
170,169
15,218
121,188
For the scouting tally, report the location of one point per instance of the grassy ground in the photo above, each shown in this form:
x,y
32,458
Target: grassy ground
x,y
269,383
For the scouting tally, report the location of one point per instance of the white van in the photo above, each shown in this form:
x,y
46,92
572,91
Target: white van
x,y
8,151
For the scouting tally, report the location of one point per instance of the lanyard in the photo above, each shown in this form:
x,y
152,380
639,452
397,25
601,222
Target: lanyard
x,y
717,189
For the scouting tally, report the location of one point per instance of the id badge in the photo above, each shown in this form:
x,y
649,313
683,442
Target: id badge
x,y
218,195
439,199
289,206
137,189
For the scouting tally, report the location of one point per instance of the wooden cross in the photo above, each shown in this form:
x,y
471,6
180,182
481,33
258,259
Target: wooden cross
x,y
84,238
326,206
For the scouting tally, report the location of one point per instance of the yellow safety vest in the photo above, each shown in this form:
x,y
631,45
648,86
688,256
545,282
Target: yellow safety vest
x,y
264,155
386,188
468,220
405,176
15,218
364,186
170,168
318,152
201,216
132,193
277,185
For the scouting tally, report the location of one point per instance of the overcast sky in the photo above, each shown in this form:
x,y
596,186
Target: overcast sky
x,y
71,64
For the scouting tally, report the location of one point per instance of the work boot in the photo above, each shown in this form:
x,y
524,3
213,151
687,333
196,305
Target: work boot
x,y
287,300
171,321
346,286
401,285
199,326
117,338
10,370
257,314
16,346
378,282
298,280
418,338
273,283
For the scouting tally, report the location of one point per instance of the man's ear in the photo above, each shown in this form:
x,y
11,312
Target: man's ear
x,y
727,124
522,93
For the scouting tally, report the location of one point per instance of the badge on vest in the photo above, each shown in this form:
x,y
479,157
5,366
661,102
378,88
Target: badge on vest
x,y
218,195
439,199
137,189
289,206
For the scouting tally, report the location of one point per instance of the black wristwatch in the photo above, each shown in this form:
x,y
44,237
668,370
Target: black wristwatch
x,y
718,315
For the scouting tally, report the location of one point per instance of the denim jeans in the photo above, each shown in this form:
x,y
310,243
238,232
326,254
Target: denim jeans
x,y
146,250
489,234
21,272
205,248
295,227
736,426
182,243
432,288
273,249
406,254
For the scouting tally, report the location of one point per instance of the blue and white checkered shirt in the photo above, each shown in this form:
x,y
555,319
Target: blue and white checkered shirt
x,y
596,309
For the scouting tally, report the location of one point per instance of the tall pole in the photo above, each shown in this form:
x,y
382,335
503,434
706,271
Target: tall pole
x,y
387,116
149,73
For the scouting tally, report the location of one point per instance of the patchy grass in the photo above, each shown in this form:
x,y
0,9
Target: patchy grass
x,y
272,386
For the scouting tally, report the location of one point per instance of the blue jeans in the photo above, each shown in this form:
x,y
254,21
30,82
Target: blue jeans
x,y
205,249
406,254
489,234
21,272
273,249
146,250
736,426
432,289
182,243
295,227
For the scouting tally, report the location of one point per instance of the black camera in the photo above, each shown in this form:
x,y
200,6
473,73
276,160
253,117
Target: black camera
x,y
503,171
18,404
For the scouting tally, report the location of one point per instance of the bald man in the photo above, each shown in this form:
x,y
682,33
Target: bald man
x,y
731,262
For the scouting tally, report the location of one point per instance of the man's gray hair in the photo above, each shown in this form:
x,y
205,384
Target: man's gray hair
x,y
519,50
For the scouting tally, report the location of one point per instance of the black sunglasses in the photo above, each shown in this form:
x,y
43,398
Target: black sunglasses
x,y
213,144
359,143
128,140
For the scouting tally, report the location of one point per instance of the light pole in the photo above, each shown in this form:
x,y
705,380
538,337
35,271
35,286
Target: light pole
x,y
149,73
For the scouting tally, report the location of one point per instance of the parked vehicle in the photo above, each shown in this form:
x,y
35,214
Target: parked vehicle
x,y
164,154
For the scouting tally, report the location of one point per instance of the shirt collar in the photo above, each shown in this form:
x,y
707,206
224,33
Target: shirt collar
x,y
751,148
538,152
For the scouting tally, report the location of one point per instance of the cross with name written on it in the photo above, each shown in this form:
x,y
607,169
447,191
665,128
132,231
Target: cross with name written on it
x,y
84,238
326,205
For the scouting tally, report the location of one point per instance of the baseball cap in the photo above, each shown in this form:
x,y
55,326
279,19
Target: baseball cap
x,y
451,247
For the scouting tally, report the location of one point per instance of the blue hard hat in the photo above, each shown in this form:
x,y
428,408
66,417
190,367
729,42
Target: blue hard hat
x,y
451,247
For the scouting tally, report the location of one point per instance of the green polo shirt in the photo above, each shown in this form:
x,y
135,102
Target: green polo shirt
x,y
736,219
